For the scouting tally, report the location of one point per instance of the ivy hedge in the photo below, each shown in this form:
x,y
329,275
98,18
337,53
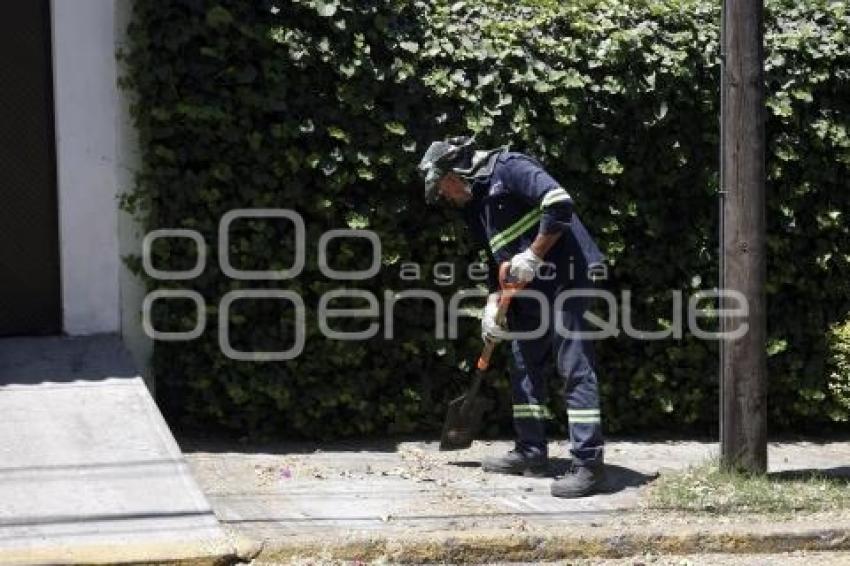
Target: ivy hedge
x,y
325,106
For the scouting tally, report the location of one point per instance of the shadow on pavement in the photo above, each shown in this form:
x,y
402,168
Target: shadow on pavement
x,y
841,473
61,360
226,444
618,478
465,463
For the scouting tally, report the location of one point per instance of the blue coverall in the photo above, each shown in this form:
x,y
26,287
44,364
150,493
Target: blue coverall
x,y
513,202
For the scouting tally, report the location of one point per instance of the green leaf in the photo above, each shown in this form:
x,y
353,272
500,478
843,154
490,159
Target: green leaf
x,y
610,166
486,79
775,346
396,128
410,46
356,221
338,133
326,8
218,16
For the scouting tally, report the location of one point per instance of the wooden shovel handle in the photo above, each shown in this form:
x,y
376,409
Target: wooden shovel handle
x,y
508,290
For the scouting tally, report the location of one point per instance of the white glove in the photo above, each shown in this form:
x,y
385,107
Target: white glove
x,y
524,265
490,329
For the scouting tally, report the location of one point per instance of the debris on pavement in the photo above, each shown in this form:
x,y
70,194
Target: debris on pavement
x,y
366,500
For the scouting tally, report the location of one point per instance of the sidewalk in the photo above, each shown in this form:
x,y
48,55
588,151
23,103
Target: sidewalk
x,y
408,502
89,471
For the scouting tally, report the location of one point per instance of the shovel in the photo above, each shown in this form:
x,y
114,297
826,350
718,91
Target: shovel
x,y
465,413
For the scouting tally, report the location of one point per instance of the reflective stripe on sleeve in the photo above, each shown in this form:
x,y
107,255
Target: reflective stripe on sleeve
x,y
554,196
515,230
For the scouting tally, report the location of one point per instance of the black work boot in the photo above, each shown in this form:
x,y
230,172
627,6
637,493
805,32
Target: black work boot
x,y
518,463
580,481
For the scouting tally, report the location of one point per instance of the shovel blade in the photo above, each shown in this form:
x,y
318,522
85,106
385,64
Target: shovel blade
x,y
463,421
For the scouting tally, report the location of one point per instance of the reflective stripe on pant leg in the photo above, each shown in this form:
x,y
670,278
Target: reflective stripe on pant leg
x,y
575,365
584,416
531,411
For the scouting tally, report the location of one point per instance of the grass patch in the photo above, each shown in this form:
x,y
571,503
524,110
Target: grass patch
x,y
707,489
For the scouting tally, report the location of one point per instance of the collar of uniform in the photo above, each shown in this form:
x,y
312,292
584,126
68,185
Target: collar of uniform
x,y
482,165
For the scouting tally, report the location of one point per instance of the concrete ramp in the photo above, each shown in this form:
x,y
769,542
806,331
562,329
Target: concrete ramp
x,y
89,471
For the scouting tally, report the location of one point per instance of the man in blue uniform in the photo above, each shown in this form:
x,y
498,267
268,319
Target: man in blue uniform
x,y
526,218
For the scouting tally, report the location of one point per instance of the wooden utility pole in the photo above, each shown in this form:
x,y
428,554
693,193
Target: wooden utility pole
x,y
743,361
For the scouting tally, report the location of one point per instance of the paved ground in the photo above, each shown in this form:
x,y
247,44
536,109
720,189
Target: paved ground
x,y
411,485
797,558
784,559
89,471
298,496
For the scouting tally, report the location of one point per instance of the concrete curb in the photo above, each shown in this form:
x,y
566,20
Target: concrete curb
x,y
218,552
510,546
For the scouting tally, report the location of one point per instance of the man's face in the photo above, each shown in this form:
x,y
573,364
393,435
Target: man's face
x,y
453,189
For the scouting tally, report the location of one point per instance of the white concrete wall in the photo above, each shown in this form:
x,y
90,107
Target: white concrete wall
x,y
86,103
97,154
